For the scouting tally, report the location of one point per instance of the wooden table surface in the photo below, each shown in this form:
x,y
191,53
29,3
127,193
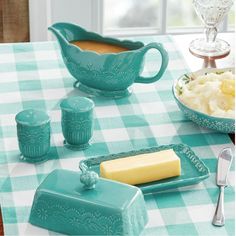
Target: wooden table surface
x,y
194,63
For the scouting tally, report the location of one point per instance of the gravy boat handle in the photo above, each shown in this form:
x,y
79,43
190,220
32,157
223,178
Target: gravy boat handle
x,y
164,63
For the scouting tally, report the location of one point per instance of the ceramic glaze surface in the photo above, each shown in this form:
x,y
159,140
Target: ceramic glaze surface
x,y
224,125
77,104
33,132
77,121
108,74
32,117
89,179
110,208
193,170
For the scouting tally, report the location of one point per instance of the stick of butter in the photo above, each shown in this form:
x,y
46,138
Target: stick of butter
x,y
142,168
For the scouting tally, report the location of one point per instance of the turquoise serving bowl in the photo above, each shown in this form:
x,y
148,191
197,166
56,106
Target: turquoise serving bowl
x,y
224,125
108,74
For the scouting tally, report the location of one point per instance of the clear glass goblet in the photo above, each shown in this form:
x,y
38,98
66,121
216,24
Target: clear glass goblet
x,y
211,12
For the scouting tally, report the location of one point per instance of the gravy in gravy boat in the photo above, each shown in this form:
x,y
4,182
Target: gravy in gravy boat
x,y
99,47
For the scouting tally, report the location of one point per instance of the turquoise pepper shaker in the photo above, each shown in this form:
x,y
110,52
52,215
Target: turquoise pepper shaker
x,y
77,122
33,132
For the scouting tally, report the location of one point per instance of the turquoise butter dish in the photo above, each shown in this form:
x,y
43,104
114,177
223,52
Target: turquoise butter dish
x,y
108,74
193,169
63,204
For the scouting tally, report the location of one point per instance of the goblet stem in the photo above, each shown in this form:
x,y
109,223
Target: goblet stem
x,y
210,33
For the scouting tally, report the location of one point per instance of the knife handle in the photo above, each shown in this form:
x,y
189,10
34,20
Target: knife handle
x,y
219,218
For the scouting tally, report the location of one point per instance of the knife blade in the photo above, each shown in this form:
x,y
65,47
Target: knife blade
x,y
224,162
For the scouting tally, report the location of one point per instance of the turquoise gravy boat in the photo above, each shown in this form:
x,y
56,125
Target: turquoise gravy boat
x,y
109,74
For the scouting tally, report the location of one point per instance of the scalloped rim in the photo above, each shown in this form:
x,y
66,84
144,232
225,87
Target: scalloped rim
x,y
200,72
103,38
199,164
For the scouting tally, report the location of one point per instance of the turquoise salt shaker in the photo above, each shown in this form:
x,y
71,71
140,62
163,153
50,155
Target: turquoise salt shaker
x,y
77,122
33,132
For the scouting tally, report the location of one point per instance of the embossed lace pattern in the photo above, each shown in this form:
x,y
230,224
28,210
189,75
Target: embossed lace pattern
x,y
80,218
116,79
222,126
180,149
34,141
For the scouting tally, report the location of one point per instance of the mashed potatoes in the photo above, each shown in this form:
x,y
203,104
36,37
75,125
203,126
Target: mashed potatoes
x,y
213,94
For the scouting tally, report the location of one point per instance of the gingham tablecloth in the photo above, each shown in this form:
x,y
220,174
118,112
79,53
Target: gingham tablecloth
x,y
32,75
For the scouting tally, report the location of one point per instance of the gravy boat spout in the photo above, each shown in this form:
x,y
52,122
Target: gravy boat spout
x,y
64,34
58,34
107,74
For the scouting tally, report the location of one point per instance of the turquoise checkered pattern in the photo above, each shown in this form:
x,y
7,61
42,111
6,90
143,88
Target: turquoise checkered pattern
x,y
32,75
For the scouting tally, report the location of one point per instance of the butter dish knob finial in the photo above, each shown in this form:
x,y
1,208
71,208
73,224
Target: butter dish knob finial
x,y
88,178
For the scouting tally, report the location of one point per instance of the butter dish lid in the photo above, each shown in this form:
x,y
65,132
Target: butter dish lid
x,y
77,104
32,117
106,193
77,203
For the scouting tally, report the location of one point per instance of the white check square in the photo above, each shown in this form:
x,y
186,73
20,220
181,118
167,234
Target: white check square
x,y
51,94
23,198
7,58
7,77
55,115
27,229
71,163
49,74
155,219
21,168
176,64
45,55
153,108
11,144
163,130
107,111
12,97
7,120
113,135
202,213
143,88
57,139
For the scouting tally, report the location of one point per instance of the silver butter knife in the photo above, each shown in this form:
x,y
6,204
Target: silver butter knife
x,y
224,162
